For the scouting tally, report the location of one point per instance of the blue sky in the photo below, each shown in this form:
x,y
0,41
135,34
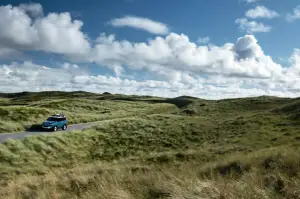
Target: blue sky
x,y
194,18
256,65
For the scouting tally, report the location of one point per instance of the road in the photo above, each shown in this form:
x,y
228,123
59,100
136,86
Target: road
x,y
21,135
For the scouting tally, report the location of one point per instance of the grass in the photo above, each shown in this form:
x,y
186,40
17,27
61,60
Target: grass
x,y
155,148
19,113
268,174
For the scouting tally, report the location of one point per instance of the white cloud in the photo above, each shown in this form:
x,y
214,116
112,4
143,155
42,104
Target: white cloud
x,y
295,58
294,61
165,56
247,47
58,33
145,24
203,40
69,66
252,26
261,12
55,33
33,9
35,77
295,15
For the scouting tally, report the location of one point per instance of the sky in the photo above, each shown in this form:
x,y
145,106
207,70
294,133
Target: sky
x,y
208,49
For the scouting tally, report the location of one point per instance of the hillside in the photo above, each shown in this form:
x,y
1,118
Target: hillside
x,y
21,111
146,147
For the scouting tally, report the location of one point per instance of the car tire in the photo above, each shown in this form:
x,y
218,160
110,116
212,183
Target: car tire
x,y
64,127
55,128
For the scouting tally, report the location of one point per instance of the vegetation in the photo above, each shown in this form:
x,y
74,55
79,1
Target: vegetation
x,y
20,111
149,147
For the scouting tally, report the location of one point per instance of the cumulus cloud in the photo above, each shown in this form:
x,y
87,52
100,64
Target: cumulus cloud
x,y
295,15
33,9
252,26
294,60
247,47
35,77
203,40
261,12
56,33
175,52
145,24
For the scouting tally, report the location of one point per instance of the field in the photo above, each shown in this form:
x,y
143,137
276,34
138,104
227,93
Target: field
x,y
145,147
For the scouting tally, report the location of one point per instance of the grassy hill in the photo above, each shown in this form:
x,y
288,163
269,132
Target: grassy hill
x,y
20,111
146,147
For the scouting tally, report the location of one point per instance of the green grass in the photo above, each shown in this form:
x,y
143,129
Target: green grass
x,y
144,147
17,114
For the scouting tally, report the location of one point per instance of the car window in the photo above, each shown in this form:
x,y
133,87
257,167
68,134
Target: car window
x,y
53,119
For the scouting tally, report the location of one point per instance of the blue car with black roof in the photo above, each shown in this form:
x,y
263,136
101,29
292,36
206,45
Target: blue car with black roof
x,y
55,122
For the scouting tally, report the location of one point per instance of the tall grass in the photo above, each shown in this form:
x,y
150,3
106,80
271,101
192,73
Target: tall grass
x,y
152,138
154,148
17,118
266,177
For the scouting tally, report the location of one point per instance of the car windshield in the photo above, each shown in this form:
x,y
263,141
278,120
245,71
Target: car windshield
x,y
54,119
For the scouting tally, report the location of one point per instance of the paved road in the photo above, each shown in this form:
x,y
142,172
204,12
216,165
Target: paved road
x,y
21,135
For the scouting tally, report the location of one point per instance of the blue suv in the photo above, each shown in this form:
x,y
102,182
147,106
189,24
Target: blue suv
x,y
55,122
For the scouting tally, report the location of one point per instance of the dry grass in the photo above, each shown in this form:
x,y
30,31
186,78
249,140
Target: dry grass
x,y
109,181
125,179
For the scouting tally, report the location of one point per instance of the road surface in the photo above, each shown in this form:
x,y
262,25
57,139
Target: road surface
x,y
21,135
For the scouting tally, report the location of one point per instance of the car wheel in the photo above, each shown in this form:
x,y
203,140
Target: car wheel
x,y
64,127
55,128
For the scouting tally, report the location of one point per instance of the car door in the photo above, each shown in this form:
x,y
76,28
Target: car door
x,y
60,123
65,122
